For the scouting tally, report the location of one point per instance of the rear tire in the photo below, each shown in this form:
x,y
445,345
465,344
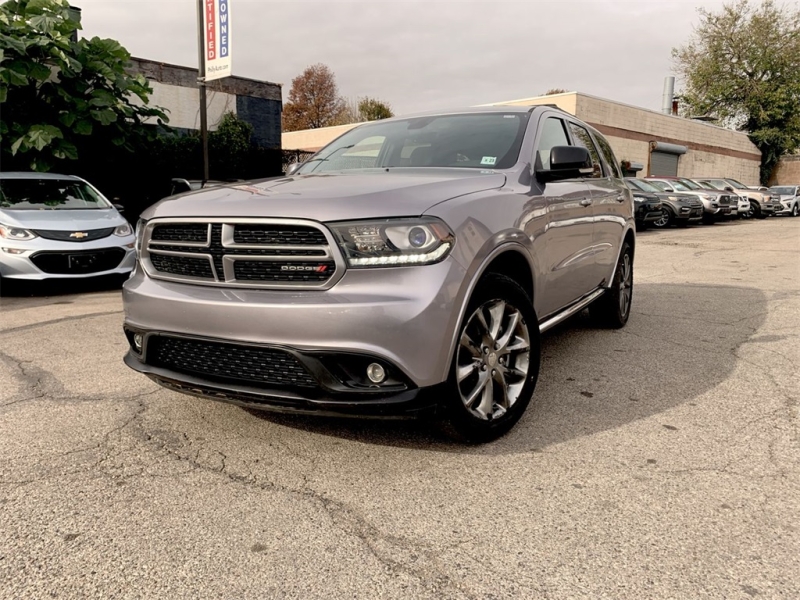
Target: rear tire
x,y
495,365
613,308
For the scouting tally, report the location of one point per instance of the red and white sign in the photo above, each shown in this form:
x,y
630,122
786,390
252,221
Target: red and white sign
x,y
217,38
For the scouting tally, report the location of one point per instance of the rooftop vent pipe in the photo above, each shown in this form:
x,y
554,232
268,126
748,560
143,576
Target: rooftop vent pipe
x,y
669,95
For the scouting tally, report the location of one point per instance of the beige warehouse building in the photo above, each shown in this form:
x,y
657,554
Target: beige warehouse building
x,y
653,142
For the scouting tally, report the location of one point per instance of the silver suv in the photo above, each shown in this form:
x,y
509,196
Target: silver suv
x,y
409,266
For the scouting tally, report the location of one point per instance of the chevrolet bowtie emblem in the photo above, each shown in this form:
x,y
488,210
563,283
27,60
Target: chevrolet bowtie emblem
x,y
78,235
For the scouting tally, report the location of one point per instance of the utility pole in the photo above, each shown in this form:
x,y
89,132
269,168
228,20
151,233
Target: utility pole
x,y
201,81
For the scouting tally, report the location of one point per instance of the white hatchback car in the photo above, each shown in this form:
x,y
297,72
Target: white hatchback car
x,y
790,199
59,226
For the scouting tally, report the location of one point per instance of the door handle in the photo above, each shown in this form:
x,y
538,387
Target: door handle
x,y
586,202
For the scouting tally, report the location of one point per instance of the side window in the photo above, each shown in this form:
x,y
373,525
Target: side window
x,y
608,155
582,138
553,134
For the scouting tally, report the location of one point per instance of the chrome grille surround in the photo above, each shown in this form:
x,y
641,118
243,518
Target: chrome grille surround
x,y
223,270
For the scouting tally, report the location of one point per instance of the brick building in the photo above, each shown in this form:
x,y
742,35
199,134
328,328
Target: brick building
x,y
175,88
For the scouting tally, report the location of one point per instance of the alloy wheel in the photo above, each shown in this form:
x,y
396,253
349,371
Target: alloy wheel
x,y
625,284
493,359
663,220
795,210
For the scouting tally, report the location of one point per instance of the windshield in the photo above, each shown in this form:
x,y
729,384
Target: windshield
x,y
644,186
736,184
672,184
783,191
475,141
49,194
691,184
717,184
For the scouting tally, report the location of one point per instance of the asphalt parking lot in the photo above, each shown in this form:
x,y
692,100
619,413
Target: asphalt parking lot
x,y
659,461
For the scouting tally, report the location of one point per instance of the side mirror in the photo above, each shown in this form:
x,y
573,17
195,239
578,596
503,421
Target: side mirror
x,y
567,162
292,168
119,207
728,188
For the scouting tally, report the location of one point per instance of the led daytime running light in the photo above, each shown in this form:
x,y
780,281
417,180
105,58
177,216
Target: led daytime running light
x,y
401,259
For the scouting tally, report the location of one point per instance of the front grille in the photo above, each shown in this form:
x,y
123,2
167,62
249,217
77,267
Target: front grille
x,y
80,262
186,266
227,362
188,233
281,235
74,235
262,270
259,253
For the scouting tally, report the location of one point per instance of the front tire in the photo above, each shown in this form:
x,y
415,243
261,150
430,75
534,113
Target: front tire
x,y
795,210
613,308
665,220
495,365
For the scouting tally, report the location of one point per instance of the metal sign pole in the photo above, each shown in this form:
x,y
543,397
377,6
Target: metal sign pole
x,y
201,81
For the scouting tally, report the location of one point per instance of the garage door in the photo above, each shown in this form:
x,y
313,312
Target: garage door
x,y
664,158
663,164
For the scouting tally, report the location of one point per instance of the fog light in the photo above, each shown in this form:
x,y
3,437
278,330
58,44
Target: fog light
x,y
13,250
137,342
376,373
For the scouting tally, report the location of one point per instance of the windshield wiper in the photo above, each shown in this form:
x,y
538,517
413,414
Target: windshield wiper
x,y
323,159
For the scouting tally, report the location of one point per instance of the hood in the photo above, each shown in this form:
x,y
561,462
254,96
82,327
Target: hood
x,y
65,220
645,197
332,196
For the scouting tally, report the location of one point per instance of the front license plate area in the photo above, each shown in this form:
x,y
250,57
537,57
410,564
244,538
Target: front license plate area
x,y
82,262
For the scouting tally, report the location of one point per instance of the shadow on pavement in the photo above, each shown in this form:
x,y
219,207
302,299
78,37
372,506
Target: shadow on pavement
x,y
678,345
60,287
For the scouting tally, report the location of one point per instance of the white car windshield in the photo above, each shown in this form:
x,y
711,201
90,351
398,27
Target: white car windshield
x,y
49,194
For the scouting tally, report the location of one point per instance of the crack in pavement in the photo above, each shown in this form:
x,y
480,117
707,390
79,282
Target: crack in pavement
x,y
39,324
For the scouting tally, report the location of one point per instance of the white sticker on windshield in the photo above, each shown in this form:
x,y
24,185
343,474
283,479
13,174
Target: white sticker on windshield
x,y
488,160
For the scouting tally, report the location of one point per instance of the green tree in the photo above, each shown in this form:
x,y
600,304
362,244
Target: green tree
x,y
60,95
372,109
742,67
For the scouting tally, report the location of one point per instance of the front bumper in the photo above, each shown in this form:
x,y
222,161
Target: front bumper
x,y
785,208
41,259
403,316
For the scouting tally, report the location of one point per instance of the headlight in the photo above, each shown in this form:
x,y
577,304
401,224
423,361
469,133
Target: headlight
x,y
123,230
709,197
15,233
140,224
393,242
639,199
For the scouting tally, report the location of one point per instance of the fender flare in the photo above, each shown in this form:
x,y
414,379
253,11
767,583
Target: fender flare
x,y
473,277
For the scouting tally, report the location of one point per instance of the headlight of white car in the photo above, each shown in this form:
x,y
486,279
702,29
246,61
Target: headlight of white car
x,y
16,233
123,230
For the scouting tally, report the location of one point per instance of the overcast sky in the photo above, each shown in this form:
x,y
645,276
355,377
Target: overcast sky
x,y
426,55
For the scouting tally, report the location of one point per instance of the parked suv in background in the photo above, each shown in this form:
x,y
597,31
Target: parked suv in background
x,y
716,204
676,208
789,198
762,204
646,208
59,226
408,266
